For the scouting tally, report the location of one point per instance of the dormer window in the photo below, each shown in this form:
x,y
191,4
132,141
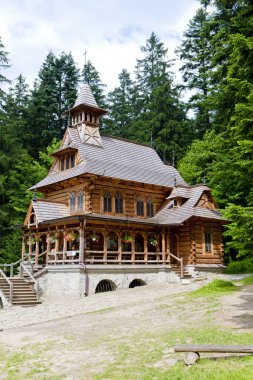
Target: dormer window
x,y
67,161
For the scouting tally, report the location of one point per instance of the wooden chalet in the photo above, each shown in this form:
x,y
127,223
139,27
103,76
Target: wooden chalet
x,y
111,206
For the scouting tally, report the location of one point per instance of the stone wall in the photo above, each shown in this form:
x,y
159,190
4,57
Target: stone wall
x,y
79,281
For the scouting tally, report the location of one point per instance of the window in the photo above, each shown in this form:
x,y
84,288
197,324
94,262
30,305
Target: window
x,y
118,203
140,206
80,201
72,160
67,161
208,243
62,164
150,207
72,202
107,202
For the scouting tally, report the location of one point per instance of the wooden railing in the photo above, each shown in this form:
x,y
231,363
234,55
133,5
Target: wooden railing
x,y
10,285
180,260
35,283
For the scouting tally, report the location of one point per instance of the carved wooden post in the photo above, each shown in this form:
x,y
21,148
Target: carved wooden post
x,y
57,240
23,247
37,237
81,245
133,249
119,248
163,247
64,244
168,246
145,248
30,246
48,245
105,234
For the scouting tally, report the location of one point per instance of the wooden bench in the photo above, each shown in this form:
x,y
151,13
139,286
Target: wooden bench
x,y
193,350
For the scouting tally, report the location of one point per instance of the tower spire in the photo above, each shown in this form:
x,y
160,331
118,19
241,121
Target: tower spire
x,y
85,67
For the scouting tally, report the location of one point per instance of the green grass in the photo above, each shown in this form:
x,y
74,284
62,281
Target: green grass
x,y
146,357
247,280
213,288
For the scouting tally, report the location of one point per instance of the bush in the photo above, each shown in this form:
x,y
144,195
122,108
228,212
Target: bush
x,y
241,266
214,287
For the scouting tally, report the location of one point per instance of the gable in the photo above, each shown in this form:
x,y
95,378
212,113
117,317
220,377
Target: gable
x,y
206,201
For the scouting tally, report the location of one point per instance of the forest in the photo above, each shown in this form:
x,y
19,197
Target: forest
x,y
208,138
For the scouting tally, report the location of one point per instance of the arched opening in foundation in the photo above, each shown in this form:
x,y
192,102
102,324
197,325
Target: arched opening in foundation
x,y
105,286
137,282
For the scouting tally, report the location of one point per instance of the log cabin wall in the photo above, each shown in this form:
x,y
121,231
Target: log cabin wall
x,y
94,191
199,254
184,237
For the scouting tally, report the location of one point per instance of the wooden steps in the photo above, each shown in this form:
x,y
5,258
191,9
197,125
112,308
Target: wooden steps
x,y
23,292
177,270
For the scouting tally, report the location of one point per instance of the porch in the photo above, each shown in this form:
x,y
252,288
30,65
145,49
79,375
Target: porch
x,y
89,245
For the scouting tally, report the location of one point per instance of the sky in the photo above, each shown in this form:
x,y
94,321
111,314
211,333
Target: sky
x,y
111,31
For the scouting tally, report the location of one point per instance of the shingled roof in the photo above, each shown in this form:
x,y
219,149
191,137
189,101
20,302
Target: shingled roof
x,y
170,215
117,158
45,210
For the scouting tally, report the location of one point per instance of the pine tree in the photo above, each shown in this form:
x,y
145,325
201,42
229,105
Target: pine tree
x,y
54,92
159,116
120,107
195,52
4,64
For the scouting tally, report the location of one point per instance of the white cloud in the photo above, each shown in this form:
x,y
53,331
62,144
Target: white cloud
x,y
112,31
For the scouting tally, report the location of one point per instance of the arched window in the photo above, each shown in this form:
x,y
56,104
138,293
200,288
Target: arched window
x,y
140,206
139,243
107,202
208,240
112,242
150,207
118,203
80,201
72,202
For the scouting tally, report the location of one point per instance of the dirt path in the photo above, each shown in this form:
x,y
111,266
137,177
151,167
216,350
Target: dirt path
x,y
77,340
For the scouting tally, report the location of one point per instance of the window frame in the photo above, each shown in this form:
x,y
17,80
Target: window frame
x,y
118,203
140,206
149,202
72,205
107,201
207,240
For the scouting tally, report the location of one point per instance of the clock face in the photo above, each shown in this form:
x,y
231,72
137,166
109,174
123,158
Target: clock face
x,y
90,135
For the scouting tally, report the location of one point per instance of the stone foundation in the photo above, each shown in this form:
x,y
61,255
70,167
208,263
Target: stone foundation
x,y
77,281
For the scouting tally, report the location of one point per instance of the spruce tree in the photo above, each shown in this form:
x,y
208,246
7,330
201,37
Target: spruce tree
x,y
120,107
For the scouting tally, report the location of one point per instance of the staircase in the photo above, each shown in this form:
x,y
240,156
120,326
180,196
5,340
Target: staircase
x,y
23,292
177,269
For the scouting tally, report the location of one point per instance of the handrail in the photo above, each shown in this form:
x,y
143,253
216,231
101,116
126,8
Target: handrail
x,y
23,267
10,285
11,265
180,259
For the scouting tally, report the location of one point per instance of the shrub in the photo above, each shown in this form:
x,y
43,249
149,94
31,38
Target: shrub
x,y
241,266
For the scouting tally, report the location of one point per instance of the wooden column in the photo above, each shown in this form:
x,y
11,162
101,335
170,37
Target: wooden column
x,y
57,241
48,246
105,234
37,237
133,249
64,244
163,247
145,248
81,244
168,246
23,247
119,249
30,247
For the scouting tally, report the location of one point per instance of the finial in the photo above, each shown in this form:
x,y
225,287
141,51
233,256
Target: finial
x,y
34,195
85,67
204,178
